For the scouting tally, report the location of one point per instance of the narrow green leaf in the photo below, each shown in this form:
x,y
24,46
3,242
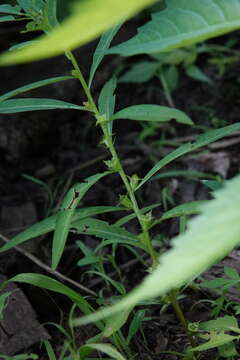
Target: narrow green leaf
x,y
88,20
65,215
210,237
135,324
89,260
183,23
33,86
114,234
21,45
3,302
116,284
115,322
52,12
48,224
231,273
100,51
105,348
152,113
46,282
49,349
106,101
6,18
23,105
190,208
183,173
196,73
140,72
224,323
9,9
215,341
202,140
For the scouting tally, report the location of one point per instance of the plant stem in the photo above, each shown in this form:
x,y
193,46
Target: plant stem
x,y
181,317
109,143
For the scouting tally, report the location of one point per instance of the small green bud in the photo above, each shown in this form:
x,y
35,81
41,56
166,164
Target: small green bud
x,y
101,119
147,220
125,201
134,180
75,73
113,165
193,327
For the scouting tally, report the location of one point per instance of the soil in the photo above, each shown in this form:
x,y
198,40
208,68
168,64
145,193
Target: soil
x,y
62,147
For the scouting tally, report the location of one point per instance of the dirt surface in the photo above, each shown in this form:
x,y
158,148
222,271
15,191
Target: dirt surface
x,y
62,147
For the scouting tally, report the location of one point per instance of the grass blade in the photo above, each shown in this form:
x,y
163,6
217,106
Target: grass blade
x,y
100,51
23,105
202,140
34,85
46,225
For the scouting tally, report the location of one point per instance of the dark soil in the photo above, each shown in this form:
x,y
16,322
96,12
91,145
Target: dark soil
x,y
62,147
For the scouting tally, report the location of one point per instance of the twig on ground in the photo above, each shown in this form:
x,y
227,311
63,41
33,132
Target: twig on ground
x,y
48,268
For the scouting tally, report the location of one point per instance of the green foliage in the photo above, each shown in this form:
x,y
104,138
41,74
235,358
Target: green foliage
x,y
23,105
152,113
183,23
189,251
65,215
208,237
88,20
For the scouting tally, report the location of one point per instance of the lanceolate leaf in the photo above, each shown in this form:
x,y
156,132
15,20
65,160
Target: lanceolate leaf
x,y
209,238
105,348
190,208
107,100
23,105
65,215
112,233
33,85
53,285
48,224
152,113
183,23
88,20
9,9
202,140
103,45
6,18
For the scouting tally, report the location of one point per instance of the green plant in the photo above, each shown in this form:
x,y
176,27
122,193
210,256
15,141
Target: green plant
x,y
213,231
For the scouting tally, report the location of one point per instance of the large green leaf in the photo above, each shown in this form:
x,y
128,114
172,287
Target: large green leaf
x,y
88,20
202,140
210,237
183,23
148,112
23,105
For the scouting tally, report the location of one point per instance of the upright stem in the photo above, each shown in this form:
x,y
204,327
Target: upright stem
x,y
177,308
108,140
